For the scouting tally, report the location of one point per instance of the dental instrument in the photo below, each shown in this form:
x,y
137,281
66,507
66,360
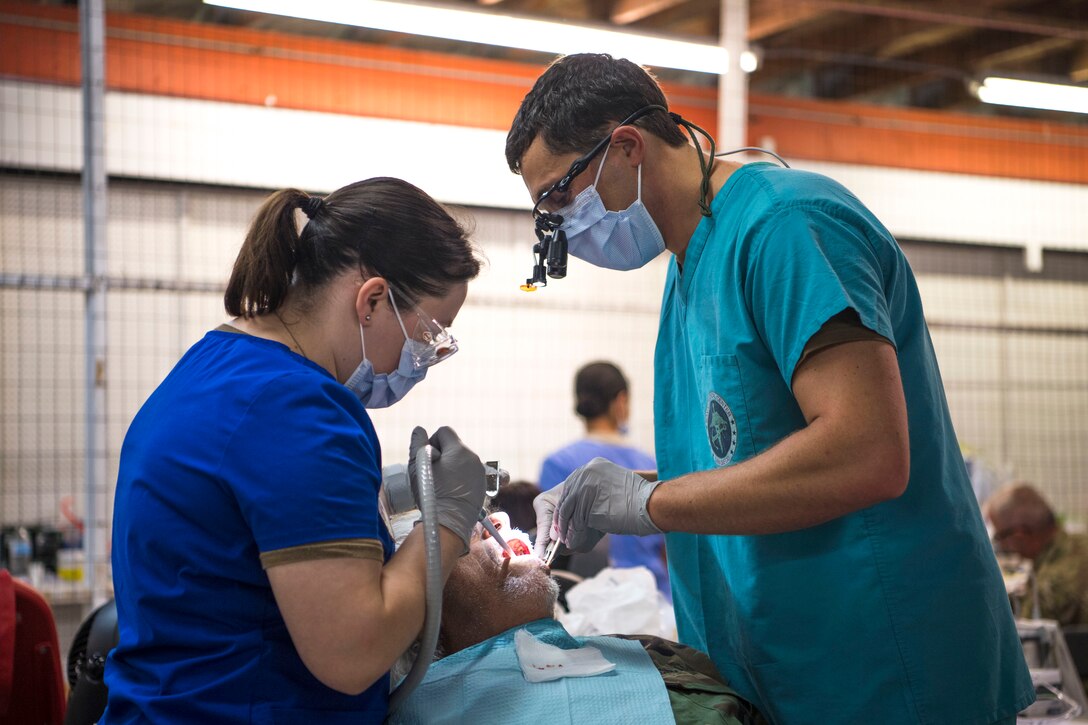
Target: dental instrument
x,y
489,525
551,551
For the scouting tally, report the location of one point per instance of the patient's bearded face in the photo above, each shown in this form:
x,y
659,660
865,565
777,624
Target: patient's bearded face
x,y
512,590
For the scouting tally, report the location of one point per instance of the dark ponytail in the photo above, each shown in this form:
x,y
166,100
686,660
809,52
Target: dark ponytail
x,y
262,272
595,387
380,226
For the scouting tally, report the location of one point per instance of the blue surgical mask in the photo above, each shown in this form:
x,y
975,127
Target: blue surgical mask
x,y
376,390
621,240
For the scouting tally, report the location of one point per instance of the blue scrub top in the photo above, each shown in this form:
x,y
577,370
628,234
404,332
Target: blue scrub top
x,y
892,614
244,448
623,551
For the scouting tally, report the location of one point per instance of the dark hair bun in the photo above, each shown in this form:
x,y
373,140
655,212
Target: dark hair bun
x,y
588,407
595,387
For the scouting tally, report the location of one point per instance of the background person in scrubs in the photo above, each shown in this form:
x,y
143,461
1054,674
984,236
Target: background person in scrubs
x,y
603,402
255,579
825,547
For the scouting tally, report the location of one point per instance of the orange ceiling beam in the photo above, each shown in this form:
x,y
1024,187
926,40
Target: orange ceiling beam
x,y
238,65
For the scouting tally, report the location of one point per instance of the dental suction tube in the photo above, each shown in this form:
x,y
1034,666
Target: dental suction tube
x,y
433,617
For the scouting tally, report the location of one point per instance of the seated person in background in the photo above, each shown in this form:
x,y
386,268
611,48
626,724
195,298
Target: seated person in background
x,y
489,599
1024,524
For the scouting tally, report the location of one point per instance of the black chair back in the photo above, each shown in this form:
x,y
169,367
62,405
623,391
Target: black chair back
x,y
1076,638
87,665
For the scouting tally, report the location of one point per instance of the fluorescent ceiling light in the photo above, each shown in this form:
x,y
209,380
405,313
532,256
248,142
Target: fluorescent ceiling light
x,y
1033,94
511,31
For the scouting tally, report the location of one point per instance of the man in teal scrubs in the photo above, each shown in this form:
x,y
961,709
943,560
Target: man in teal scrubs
x,y
824,544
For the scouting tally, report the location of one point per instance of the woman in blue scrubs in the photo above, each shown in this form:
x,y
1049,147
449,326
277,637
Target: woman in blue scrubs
x,y
825,547
603,402
255,579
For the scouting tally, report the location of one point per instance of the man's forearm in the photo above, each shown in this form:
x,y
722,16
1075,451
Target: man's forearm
x,y
817,474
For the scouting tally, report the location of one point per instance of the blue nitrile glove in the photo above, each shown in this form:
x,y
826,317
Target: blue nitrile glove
x,y
602,498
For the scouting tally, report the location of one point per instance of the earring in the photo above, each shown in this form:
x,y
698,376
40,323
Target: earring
x,y
367,318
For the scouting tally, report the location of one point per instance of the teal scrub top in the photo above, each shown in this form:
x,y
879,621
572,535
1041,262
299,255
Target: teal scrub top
x,y
892,614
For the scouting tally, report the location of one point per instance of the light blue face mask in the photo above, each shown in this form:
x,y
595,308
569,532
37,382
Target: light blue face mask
x,y
382,390
621,240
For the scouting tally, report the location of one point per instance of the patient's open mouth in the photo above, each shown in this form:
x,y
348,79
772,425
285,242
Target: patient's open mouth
x,y
517,540
519,547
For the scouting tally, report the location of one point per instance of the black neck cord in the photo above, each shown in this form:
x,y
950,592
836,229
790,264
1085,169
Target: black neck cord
x,y
706,163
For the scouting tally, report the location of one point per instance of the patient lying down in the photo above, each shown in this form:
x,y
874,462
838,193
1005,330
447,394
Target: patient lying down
x,y
499,638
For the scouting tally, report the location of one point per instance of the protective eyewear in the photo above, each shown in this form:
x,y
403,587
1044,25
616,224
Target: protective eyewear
x,y
436,342
550,251
581,163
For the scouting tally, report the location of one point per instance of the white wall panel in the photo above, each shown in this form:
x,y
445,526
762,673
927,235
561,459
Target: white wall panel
x,y
41,226
253,146
957,298
975,209
240,145
1016,377
41,402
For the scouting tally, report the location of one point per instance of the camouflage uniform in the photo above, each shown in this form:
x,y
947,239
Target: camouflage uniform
x,y
697,693
1061,579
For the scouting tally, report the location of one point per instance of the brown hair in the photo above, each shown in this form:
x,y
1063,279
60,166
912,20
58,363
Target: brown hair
x,y
381,226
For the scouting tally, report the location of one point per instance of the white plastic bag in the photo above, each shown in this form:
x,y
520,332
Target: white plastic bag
x,y
618,601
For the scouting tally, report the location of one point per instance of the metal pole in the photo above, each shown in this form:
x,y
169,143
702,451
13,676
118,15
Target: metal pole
x,y
93,59
733,84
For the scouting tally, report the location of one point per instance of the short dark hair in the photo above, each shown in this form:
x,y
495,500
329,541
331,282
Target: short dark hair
x,y
572,104
381,226
595,387
516,499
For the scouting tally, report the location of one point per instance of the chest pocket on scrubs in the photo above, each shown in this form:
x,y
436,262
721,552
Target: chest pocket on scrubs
x,y
724,412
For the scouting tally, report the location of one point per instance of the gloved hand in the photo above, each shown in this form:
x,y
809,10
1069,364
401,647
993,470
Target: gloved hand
x,y
459,481
602,498
544,505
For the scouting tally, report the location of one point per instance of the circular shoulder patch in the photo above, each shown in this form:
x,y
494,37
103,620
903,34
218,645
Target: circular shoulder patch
x,y
721,429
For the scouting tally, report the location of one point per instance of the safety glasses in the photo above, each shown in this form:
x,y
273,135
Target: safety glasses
x,y
434,343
